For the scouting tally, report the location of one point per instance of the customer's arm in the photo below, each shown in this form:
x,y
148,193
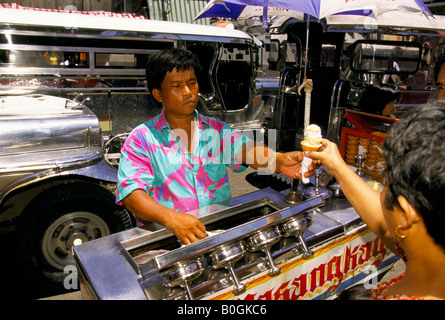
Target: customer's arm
x,y
362,197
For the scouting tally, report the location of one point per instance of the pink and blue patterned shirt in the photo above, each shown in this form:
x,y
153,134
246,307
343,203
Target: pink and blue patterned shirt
x,y
155,160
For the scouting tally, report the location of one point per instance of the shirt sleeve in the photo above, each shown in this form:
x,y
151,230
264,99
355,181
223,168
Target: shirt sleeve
x,y
135,168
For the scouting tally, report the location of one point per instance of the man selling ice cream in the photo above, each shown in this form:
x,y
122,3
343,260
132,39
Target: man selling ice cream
x,y
177,161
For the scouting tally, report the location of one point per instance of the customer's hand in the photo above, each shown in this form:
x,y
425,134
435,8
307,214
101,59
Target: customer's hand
x,y
329,155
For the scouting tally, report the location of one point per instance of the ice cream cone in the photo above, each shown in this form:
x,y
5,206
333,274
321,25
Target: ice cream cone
x,y
306,160
308,147
304,168
311,142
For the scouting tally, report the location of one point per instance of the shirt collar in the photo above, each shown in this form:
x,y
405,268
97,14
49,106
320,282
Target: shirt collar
x,y
202,121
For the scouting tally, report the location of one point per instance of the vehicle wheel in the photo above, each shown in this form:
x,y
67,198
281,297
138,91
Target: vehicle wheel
x,y
59,219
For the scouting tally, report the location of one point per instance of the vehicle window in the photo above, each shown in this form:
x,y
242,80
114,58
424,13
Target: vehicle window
x,y
43,59
120,60
327,58
115,60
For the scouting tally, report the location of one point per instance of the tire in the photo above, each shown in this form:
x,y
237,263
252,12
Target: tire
x,y
58,219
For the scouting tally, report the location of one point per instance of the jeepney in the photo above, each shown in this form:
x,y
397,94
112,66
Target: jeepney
x,y
102,57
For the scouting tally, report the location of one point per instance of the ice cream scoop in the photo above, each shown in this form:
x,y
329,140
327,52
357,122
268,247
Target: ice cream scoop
x,y
312,138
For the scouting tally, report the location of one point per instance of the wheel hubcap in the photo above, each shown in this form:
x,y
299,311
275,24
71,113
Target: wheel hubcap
x,y
68,231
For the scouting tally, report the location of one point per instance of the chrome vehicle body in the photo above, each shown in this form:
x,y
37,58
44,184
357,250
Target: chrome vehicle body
x,y
104,58
43,137
55,189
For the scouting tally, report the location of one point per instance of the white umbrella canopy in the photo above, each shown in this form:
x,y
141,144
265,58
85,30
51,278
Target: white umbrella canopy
x,y
393,19
323,8
243,9
255,11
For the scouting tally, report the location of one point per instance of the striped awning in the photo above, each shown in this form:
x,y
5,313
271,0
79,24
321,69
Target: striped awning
x,y
176,10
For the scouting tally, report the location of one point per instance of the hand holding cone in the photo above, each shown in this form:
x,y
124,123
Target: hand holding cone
x,y
311,142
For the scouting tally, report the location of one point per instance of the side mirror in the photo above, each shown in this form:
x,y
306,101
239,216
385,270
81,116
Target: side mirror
x,y
389,57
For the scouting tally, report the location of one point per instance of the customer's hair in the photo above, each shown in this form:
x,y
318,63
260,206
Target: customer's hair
x,y
414,149
168,60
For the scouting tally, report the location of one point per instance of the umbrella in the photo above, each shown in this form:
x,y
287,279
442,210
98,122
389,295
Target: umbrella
x,y
242,9
227,9
322,8
404,20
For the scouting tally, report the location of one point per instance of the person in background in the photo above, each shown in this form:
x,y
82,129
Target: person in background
x,y
440,78
378,100
409,214
177,161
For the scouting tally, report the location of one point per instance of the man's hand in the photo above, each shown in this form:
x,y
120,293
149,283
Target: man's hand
x,y
186,227
289,164
260,157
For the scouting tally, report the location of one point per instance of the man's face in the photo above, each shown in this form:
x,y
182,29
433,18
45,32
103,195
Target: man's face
x,y
179,92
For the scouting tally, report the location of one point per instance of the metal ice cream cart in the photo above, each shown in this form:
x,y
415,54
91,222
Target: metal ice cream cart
x,y
258,247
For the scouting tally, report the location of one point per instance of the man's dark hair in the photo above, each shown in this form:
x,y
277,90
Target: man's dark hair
x,y
437,65
375,98
414,149
166,61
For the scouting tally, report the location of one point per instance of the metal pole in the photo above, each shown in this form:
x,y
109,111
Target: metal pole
x,y
307,45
